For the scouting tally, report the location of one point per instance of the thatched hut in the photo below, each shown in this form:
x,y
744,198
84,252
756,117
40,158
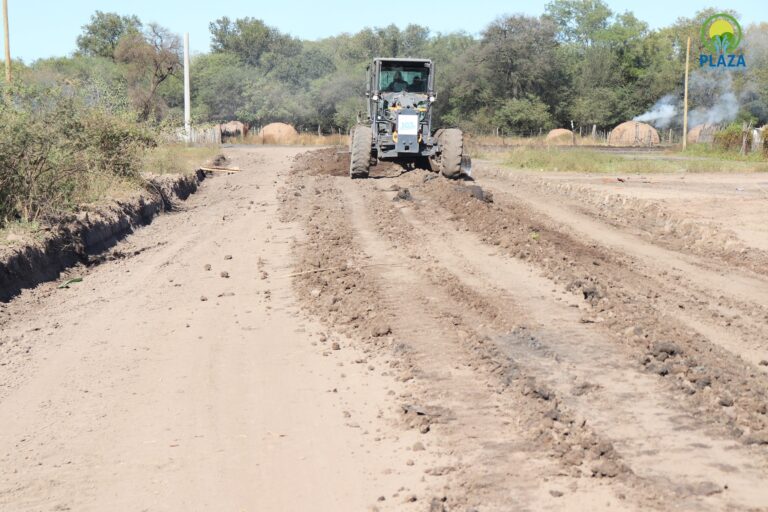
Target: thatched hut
x,y
560,137
633,133
702,133
233,129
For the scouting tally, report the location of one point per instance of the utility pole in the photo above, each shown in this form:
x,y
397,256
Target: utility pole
x,y
7,43
685,96
187,114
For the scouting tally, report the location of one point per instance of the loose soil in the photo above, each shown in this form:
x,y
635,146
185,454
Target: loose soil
x,y
292,339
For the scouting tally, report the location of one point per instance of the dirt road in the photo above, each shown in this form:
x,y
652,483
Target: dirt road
x,y
290,339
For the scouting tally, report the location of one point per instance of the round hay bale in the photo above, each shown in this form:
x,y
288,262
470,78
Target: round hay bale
x,y
633,133
277,133
559,137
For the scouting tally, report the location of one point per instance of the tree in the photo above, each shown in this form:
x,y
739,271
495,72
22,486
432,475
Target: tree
x,y
252,41
300,70
579,21
150,58
524,116
518,53
220,84
413,40
101,36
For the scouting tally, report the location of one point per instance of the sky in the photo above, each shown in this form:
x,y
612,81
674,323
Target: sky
x,y
48,28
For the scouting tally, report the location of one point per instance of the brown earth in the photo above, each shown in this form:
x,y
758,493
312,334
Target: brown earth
x,y
291,339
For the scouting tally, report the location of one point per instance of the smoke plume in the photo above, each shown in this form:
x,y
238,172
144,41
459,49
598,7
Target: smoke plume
x,y
663,113
711,94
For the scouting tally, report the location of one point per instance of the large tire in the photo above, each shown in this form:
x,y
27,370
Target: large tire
x,y
434,162
451,142
448,161
360,157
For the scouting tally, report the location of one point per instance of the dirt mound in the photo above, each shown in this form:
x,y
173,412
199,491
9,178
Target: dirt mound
x,y
560,136
326,162
334,161
278,133
633,133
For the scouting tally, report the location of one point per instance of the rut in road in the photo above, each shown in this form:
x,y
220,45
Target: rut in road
x,y
736,320
496,437
532,319
625,302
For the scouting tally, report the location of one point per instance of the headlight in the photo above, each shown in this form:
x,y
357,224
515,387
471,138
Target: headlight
x,y
432,99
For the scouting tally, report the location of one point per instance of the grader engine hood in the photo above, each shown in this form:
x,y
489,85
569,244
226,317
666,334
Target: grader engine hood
x,y
406,113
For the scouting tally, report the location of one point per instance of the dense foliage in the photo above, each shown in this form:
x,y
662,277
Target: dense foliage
x,y
69,122
578,63
57,143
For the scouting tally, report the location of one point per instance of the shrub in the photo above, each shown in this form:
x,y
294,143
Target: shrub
x,y
731,137
53,144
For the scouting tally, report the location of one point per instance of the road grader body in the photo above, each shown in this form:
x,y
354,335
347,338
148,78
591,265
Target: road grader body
x,y
398,122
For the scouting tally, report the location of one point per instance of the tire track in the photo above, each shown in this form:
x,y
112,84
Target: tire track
x,y
668,448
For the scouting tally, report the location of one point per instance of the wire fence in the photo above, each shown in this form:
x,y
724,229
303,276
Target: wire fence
x,y
583,135
200,135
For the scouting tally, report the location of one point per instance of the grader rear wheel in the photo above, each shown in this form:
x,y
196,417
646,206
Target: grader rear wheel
x,y
360,152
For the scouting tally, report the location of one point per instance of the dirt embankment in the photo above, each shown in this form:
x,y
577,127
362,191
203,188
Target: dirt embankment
x,y
79,237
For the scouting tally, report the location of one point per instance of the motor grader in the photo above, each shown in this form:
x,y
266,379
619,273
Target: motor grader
x,y
398,125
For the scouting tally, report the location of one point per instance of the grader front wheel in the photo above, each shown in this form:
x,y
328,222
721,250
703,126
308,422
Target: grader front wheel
x,y
449,161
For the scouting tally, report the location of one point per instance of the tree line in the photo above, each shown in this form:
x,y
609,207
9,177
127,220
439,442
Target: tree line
x,y
580,62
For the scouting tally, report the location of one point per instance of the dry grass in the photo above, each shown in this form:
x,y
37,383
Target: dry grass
x,y
102,186
20,233
490,146
177,158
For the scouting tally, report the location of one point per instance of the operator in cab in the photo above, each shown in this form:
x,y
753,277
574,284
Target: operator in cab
x,y
397,84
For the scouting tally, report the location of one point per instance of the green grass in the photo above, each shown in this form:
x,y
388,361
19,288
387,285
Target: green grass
x,y
708,151
591,161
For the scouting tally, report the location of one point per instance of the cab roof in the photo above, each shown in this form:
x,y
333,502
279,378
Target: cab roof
x,y
403,59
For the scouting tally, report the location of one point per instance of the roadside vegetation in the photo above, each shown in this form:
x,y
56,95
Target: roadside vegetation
x,y
176,158
579,62
82,129
78,128
57,145
557,159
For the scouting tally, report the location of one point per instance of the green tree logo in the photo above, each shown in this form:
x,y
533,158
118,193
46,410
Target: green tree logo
x,y
721,33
